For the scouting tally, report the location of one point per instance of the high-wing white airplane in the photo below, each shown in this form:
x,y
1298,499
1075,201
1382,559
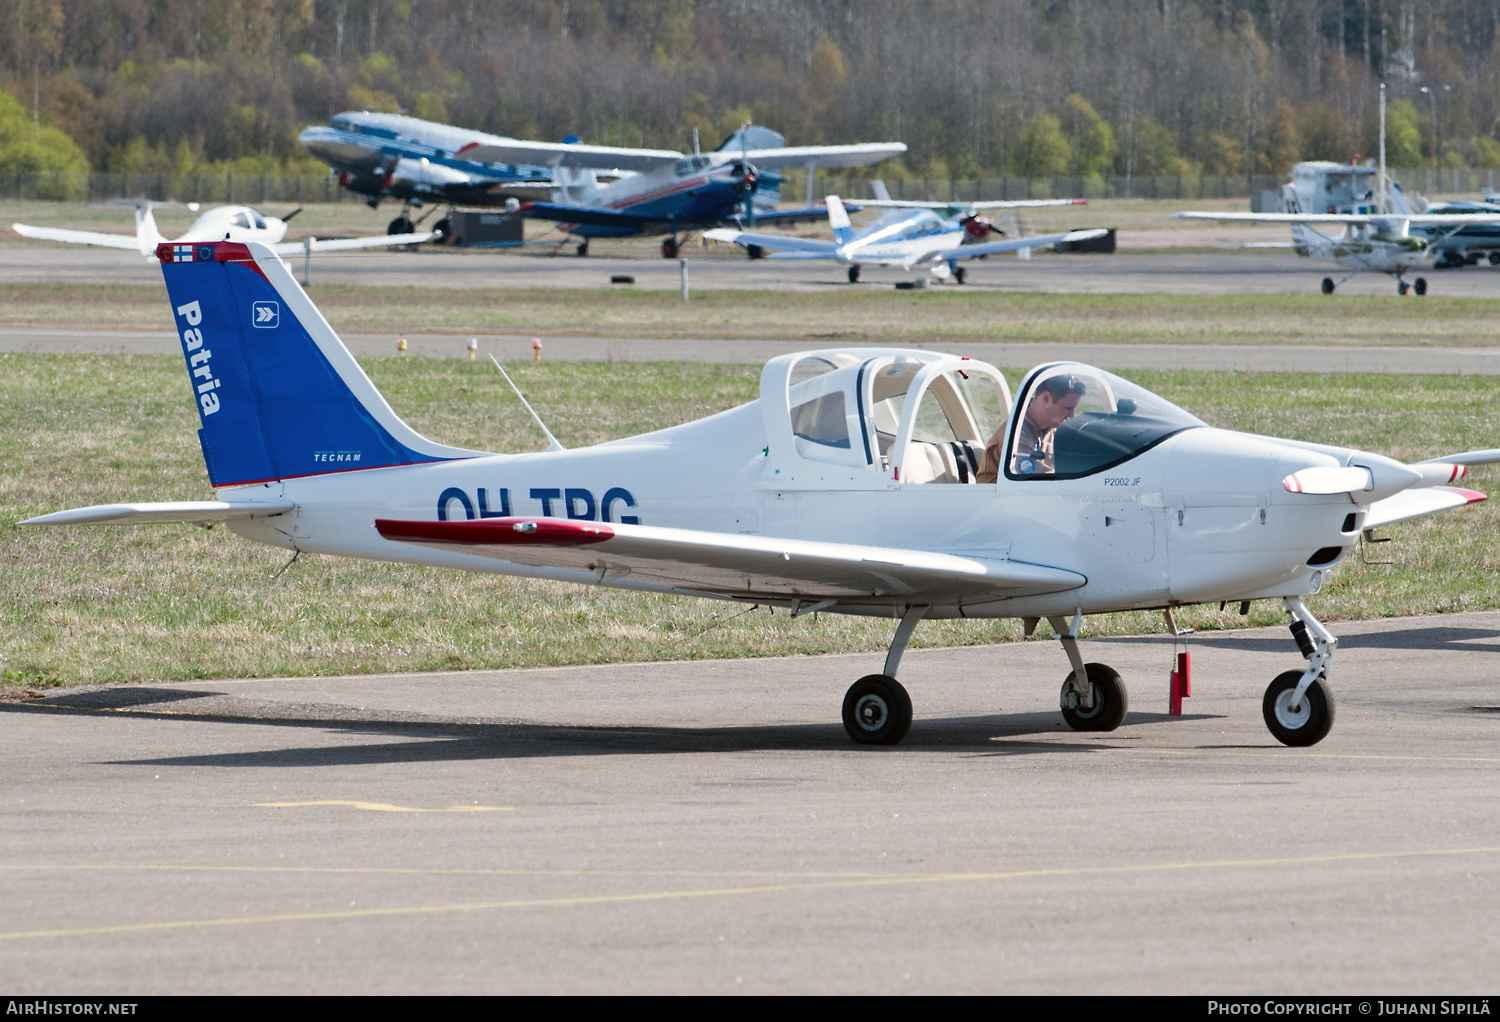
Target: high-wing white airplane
x,y
911,235
1377,242
240,224
855,484
660,191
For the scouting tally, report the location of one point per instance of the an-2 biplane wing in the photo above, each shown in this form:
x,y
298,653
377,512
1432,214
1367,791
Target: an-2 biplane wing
x,y
738,565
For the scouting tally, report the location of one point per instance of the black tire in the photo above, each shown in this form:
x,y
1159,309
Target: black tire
x,y
669,249
582,249
1420,285
443,227
400,225
1308,724
755,251
854,274
1495,258
877,710
1328,285
1111,700
960,275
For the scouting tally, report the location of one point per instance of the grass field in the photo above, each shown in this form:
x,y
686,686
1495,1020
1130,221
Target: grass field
x,y
120,604
948,317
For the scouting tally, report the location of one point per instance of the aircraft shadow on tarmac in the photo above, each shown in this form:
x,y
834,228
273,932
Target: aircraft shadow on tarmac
x,y
1454,638
414,739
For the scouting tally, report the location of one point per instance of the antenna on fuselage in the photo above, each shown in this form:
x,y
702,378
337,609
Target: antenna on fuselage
x,y
553,445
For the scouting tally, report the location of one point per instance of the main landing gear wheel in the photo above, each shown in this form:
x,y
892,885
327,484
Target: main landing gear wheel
x,y
400,225
1494,258
1110,701
1420,285
854,274
669,249
877,710
443,227
1328,285
582,249
960,275
1302,725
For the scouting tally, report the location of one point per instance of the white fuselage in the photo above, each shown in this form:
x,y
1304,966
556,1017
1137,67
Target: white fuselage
x,y
1199,517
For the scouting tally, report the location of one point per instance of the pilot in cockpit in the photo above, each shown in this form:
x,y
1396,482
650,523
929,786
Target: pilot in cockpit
x,y
1053,402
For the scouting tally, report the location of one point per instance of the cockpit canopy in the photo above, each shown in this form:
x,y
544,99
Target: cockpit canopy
x,y
1075,420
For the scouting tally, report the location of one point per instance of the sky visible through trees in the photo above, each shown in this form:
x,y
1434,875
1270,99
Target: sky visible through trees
x,y
974,87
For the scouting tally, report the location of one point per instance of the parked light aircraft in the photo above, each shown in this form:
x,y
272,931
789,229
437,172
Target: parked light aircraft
x,y
1395,240
906,237
222,223
671,191
419,162
852,485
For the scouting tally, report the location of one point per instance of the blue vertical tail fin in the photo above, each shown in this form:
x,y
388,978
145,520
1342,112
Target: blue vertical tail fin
x,y
838,219
278,394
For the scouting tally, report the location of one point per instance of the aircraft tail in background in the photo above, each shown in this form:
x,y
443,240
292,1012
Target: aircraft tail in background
x,y
278,394
838,219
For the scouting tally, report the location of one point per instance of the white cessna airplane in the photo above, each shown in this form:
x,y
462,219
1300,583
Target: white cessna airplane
x,y
222,223
853,485
911,235
1377,242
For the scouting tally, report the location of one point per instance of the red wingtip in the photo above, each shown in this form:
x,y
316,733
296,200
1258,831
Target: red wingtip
x,y
1470,496
498,532
1080,202
464,149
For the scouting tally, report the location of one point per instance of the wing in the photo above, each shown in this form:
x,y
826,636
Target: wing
x,y
735,565
861,154
126,241
204,511
596,215
595,157
1017,204
1409,504
774,242
806,214
346,244
1012,244
1342,218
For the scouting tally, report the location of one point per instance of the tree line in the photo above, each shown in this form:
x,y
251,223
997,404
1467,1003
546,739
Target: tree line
x,y
974,87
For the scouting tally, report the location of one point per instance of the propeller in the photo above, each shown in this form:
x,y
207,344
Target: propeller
x,y
980,227
288,217
1382,477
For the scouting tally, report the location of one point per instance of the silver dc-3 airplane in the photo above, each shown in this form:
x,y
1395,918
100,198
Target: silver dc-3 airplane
x,y
240,224
935,236
873,481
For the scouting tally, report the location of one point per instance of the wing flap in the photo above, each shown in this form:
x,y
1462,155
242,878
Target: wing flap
x,y
192,511
731,564
1418,503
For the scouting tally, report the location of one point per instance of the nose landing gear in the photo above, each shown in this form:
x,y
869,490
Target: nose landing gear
x,y
1298,706
1093,696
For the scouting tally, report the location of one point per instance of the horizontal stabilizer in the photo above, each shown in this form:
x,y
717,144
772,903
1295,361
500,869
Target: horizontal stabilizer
x,y
732,564
1418,503
193,511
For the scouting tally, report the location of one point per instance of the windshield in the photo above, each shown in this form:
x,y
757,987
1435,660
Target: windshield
x,y
1076,420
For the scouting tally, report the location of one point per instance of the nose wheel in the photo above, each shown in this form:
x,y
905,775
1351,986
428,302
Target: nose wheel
x,y
1298,722
877,710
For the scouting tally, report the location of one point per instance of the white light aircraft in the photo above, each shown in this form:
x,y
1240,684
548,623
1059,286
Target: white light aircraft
x,y
855,484
913,234
240,224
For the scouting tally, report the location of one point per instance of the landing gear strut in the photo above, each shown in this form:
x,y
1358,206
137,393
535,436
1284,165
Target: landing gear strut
x,y
877,710
1093,696
1298,706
